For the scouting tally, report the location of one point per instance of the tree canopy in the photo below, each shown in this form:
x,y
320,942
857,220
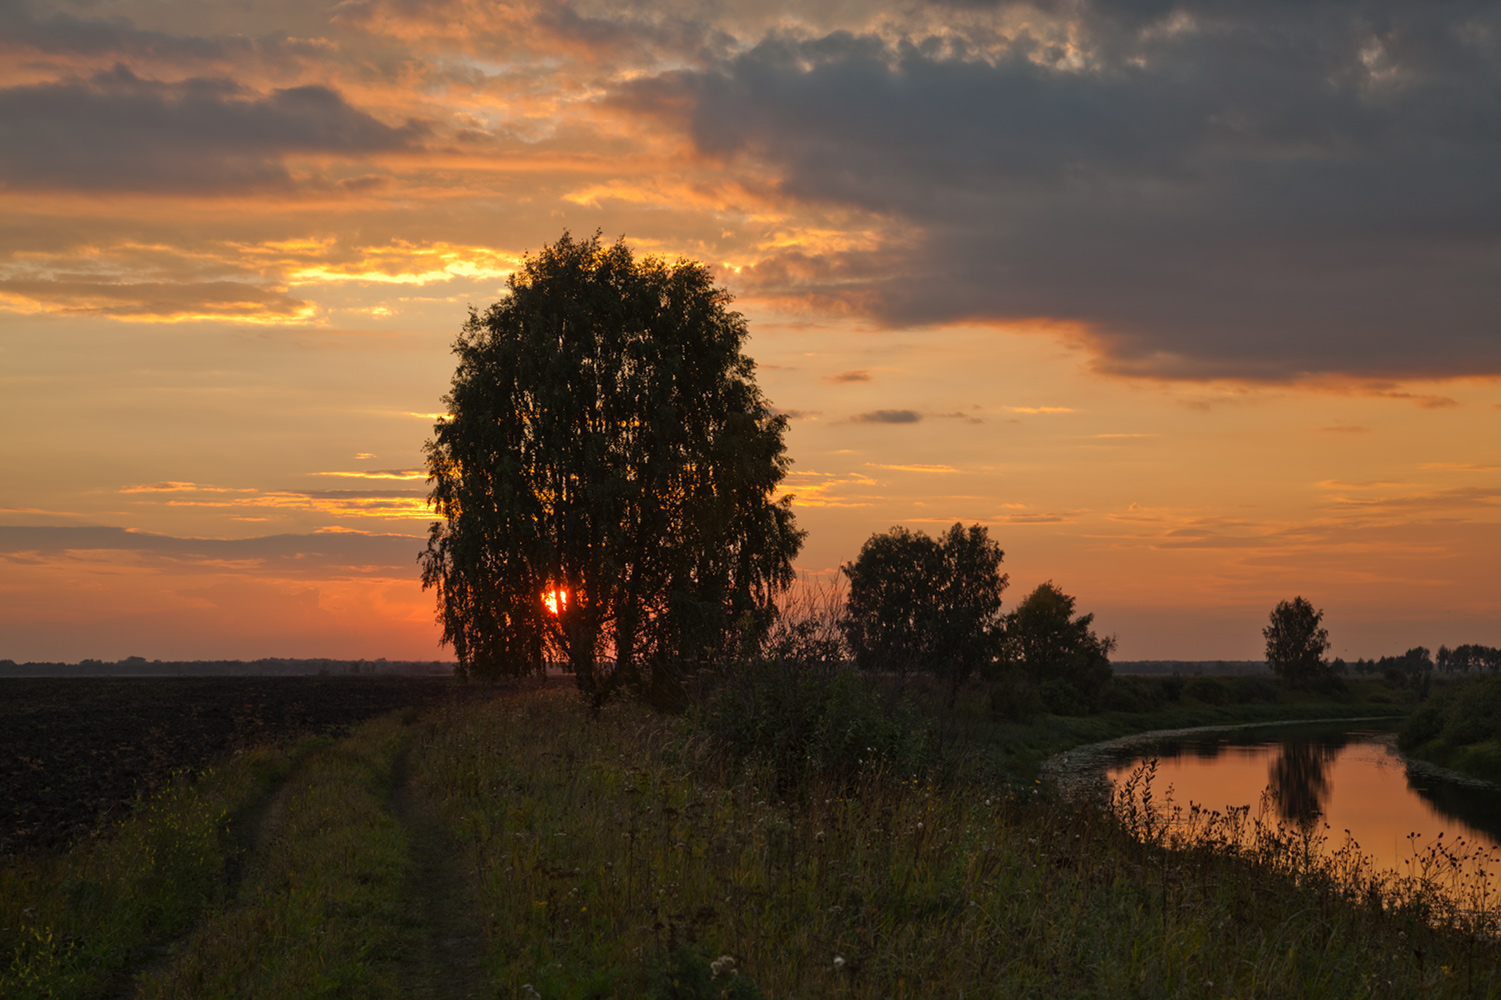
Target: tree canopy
x,y
1295,643
924,604
1057,651
606,473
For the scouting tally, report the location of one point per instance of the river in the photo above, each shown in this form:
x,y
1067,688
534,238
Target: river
x,y
1346,776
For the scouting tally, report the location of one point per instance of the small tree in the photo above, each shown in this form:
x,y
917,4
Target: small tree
x,y
1296,644
924,604
1056,652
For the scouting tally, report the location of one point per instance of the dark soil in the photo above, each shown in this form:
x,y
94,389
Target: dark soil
x,y
76,753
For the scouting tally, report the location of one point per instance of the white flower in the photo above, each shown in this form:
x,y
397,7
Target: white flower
x,y
722,964
838,961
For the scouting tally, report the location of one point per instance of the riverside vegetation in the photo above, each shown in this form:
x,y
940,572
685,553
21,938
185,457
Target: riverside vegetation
x,y
798,834
1459,727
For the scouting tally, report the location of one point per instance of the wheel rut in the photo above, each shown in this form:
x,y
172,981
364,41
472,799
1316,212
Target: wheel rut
x,y
442,894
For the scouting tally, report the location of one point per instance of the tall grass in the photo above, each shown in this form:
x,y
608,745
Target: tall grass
x,y
608,849
622,853
320,912
72,925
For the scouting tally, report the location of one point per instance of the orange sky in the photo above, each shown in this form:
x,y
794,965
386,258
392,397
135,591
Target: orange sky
x,y
1196,308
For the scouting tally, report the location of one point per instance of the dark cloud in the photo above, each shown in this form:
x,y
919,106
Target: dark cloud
x,y
887,417
55,33
1207,188
40,37
119,132
298,555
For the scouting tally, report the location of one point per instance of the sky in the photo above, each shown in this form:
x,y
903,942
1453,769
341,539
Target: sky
x,y
1195,305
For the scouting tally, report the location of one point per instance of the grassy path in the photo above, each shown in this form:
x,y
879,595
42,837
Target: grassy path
x,y
355,889
446,943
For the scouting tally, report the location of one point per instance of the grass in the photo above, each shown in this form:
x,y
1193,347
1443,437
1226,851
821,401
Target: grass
x,y
607,848
72,925
321,911
627,854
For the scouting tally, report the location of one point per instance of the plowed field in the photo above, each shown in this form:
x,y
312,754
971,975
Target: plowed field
x,y
76,752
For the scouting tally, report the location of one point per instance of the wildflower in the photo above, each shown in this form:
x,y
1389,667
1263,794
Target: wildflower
x,y
838,961
723,964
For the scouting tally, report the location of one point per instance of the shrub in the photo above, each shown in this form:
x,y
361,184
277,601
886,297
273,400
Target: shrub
x,y
1248,690
1460,714
1209,690
802,722
1132,694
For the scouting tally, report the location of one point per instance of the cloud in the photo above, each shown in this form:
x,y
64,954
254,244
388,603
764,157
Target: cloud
x,y
155,301
929,469
1200,189
178,486
857,375
378,474
116,131
298,555
887,417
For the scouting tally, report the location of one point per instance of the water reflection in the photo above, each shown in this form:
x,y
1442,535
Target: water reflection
x,y
1298,779
1348,778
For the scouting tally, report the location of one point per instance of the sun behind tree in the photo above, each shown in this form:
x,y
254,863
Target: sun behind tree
x,y
605,440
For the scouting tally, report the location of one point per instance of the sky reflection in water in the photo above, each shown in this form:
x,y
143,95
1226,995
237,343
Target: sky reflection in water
x,y
1348,779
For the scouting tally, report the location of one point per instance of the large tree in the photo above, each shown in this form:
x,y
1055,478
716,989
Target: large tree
x,y
926,604
606,472
1296,644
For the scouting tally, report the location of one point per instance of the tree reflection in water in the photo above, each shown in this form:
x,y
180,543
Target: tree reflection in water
x,y
1299,781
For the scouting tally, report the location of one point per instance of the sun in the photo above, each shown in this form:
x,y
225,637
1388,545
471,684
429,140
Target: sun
x,y
556,600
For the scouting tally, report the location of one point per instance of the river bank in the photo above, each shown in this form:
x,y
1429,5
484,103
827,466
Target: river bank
x,y
1018,749
1459,728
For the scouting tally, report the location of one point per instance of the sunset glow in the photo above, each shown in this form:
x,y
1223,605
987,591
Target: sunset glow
x,y
555,601
1195,308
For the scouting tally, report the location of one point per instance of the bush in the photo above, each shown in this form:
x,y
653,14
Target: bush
x,y
1132,694
1209,690
1460,714
801,722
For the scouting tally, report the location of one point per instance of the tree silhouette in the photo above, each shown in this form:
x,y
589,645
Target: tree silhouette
x,y
605,474
1295,644
1058,651
926,604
